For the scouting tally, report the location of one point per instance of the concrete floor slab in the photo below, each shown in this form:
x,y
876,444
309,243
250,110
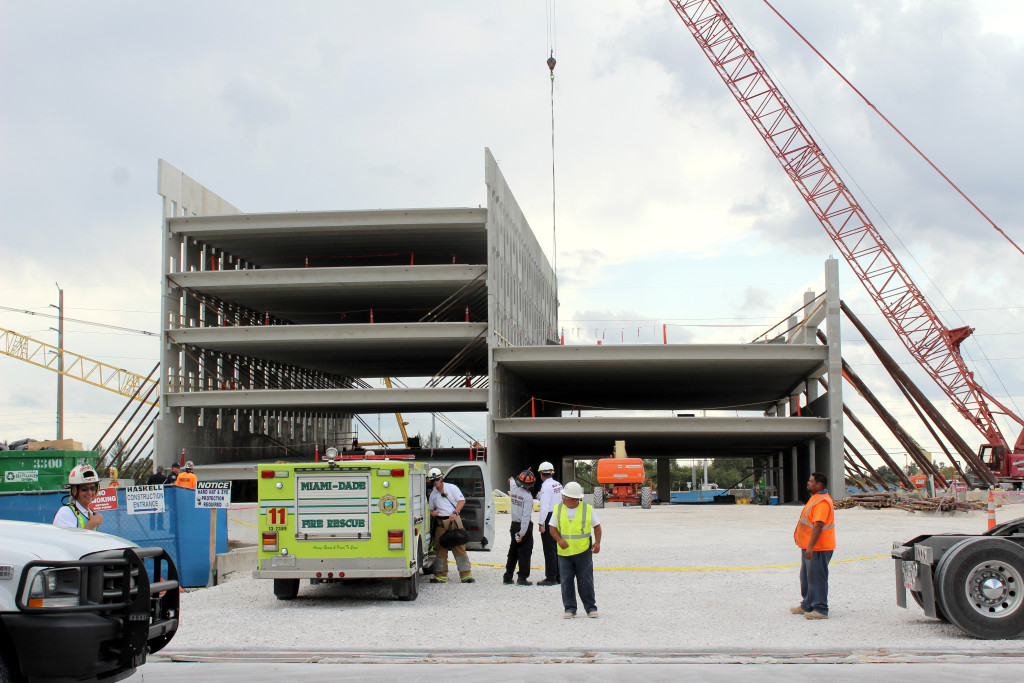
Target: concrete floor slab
x,y
346,401
359,350
684,376
340,238
324,295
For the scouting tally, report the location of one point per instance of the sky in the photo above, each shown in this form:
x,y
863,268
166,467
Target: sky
x,y
670,209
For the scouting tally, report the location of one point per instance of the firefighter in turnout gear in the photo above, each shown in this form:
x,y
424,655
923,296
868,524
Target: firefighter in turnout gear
x,y
75,513
521,545
446,501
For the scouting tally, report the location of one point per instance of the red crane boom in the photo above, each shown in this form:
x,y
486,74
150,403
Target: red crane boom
x,y
917,325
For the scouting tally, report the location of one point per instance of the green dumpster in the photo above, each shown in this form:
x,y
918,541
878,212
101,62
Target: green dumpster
x,y
40,470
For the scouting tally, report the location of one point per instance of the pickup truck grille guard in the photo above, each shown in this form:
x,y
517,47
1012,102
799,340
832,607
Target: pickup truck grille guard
x,y
139,586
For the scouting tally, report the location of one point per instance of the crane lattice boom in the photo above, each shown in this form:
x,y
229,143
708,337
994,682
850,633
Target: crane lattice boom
x,y
917,325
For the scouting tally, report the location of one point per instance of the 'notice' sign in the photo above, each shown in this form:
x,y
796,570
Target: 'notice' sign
x,y
144,500
213,494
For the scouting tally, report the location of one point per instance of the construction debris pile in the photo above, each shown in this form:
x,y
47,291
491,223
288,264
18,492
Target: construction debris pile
x,y
913,504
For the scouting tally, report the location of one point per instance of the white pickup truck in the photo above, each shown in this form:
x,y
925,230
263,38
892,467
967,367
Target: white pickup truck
x,y
80,605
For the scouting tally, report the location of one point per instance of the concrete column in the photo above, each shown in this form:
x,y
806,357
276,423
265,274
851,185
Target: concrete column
x,y
836,471
568,470
794,483
665,480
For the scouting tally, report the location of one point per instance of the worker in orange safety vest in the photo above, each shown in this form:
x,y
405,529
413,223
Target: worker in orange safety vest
x,y
815,535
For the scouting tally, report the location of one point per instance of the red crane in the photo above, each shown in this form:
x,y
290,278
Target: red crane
x,y
931,343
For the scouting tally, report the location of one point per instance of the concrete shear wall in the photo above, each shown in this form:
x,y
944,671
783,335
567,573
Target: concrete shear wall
x,y
522,306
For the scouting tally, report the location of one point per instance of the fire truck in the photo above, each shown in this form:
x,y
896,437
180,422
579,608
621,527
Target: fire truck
x,y
357,517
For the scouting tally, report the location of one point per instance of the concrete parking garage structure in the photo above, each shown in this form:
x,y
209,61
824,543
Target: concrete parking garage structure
x,y
277,325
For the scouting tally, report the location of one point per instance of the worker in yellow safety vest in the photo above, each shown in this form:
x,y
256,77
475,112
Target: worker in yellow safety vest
x,y
571,525
815,535
75,513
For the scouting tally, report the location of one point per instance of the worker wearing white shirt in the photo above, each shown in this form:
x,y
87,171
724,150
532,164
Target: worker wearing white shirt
x,y
550,495
82,484
446,502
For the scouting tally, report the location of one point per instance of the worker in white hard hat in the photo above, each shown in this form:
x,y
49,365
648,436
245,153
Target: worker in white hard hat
x,y
571,526
446,502
550,495
82,485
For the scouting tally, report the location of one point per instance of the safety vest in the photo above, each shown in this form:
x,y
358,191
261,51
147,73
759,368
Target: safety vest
x,y
79,517
827,537
575,531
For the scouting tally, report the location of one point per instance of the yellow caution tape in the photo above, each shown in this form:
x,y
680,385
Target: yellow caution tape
x,y
692,569
241,522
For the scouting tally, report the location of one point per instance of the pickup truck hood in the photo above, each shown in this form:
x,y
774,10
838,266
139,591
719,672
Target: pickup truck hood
x,y
22,542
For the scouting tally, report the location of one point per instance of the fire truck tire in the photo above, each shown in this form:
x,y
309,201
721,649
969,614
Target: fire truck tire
x,y
286,589
939,614
408,589
425,564
599,496
980,585
646,497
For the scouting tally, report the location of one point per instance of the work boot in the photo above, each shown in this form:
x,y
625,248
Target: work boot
x,y
593,614
507,580
798,610
569,615
469,579
815,615
522,582
547,582
434,579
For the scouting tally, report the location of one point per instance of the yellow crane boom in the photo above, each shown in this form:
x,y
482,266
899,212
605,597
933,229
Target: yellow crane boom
x,y
76,366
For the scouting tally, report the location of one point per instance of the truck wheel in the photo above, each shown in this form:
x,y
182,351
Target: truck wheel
x,y
425,563
645,497
5,671
408,589
599,496
981,587
286,589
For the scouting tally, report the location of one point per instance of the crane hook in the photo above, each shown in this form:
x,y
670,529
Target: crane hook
x,y
551,64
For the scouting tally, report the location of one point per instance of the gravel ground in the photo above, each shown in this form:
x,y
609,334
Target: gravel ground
x,y
733,596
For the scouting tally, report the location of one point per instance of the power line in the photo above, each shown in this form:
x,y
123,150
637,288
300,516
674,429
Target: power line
x,y
83,322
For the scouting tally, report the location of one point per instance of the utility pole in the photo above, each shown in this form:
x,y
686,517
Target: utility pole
x,y
60,360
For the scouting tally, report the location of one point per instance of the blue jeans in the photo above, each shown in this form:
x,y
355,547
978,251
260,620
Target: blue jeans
x,y
814,581
577,570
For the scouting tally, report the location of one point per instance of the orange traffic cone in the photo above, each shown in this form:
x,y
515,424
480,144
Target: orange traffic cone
x,y
991,510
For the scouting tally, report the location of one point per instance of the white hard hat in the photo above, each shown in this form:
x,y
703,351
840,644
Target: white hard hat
x,y
434,474
189,466
82,474
546,467
573,490
369,453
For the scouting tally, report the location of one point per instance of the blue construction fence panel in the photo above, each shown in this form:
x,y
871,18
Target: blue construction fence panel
x,y
182,530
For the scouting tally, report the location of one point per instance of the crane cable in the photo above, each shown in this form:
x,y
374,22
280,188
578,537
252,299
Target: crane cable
x,y
893,126
550,7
